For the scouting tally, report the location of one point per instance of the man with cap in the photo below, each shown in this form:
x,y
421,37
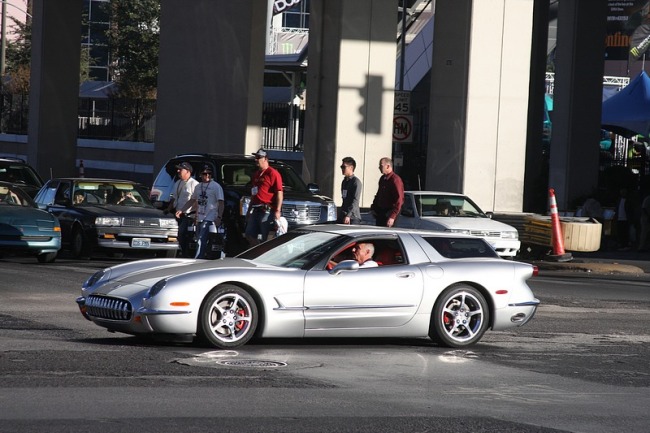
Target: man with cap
x,y
181,193
208,200
266,199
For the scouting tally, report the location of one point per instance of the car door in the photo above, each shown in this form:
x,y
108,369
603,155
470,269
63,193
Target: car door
x,y
380,297
408,217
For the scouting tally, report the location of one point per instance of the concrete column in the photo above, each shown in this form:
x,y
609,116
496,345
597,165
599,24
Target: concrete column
x,y
211,73
479,100
350,91
577,101
54,87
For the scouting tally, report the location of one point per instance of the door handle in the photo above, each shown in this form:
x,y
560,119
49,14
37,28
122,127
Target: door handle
x,y
405,275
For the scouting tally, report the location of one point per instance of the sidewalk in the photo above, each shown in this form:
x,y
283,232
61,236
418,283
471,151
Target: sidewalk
x,y
613,262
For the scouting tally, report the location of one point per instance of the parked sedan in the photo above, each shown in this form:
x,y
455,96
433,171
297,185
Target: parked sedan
x,y
24,228
108,214
451,288
456,213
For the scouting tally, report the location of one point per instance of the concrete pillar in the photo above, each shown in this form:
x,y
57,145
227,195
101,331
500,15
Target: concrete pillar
x,y
577,101
54,87
211,73
350,91
479,100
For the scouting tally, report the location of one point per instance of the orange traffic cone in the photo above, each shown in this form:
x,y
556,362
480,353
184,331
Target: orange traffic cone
x,y
558,237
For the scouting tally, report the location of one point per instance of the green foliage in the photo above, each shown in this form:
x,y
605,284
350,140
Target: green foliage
x,y
134,39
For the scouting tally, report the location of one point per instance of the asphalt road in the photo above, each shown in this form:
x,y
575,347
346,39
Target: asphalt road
x,y
581,365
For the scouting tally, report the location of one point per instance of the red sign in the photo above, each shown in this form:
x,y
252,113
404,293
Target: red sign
x,y
403,129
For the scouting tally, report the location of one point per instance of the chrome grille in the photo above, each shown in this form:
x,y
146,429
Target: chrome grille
x,y
141,222
106,307
300,213
486,234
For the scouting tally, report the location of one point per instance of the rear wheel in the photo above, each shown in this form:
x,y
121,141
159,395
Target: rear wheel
x,y
460,317
228,317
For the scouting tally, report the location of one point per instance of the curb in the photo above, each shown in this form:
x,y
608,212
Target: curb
x,y
594,268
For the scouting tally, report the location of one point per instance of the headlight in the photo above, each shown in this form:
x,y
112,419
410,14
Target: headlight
x,y
168,223
461,231
331,211
96,277
107,221
509,235
156,288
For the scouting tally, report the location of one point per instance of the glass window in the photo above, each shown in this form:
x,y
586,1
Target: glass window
x,y
460,248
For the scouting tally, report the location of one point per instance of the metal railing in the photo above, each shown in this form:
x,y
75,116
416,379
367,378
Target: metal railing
x,y
135,121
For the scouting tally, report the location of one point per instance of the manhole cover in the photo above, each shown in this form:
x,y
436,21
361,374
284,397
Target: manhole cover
x,y
251,363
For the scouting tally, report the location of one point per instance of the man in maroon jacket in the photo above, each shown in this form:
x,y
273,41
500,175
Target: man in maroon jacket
x,y
390,195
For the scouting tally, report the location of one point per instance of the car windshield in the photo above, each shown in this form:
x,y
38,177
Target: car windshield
x,y
447,206
109,193
10,196
296,249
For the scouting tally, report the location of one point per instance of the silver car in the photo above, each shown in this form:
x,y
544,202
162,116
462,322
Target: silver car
x,y
449,287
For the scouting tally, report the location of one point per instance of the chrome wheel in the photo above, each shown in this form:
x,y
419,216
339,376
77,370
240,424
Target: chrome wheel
x,y
460,317
228,317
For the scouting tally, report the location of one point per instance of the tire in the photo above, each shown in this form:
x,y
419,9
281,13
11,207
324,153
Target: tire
x,y
79,245
228,317
46,257
460,317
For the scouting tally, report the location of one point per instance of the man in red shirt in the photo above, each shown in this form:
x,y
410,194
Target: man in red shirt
x,y
390,195
266,199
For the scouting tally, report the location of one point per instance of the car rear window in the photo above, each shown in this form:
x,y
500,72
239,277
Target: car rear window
x,y
461,248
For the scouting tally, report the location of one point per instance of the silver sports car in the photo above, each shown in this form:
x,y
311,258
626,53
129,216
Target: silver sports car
x,y
309,283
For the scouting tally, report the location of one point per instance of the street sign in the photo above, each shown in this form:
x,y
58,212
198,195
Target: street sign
x,y
403,129
402,103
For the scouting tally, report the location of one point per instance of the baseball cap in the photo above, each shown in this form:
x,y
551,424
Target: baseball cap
x,y
185,165
206,169
261,153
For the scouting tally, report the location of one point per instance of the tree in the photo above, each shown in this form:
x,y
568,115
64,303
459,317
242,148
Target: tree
x,y
19,56
134,40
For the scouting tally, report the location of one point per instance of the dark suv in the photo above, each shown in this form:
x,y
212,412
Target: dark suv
x,y
301,204
21,174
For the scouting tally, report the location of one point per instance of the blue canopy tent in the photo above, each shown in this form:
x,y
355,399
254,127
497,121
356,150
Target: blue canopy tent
x,y
627,113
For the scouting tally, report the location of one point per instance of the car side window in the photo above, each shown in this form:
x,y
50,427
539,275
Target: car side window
x,y
460,248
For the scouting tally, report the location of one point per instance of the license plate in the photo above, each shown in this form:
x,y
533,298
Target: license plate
x,y
141,243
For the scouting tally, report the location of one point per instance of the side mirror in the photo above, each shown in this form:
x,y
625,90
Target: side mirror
x,y
313,188
345,266
489,214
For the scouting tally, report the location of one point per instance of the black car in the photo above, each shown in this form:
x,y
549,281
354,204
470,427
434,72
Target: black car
x,y
108,214
17,172
301,204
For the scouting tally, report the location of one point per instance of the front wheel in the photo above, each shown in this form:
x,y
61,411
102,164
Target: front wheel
x,y
46,257
228,317
79,245
460,317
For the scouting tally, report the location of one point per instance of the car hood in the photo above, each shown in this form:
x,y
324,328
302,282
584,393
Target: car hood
x,y
21,216
108,210
138,276
466,223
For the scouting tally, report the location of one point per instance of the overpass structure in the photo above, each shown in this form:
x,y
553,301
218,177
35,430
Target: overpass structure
x,y
485,91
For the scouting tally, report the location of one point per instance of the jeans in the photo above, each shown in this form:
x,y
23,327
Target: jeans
x,y
202,239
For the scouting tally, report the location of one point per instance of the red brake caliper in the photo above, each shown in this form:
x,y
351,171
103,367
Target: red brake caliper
x,y
240,324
